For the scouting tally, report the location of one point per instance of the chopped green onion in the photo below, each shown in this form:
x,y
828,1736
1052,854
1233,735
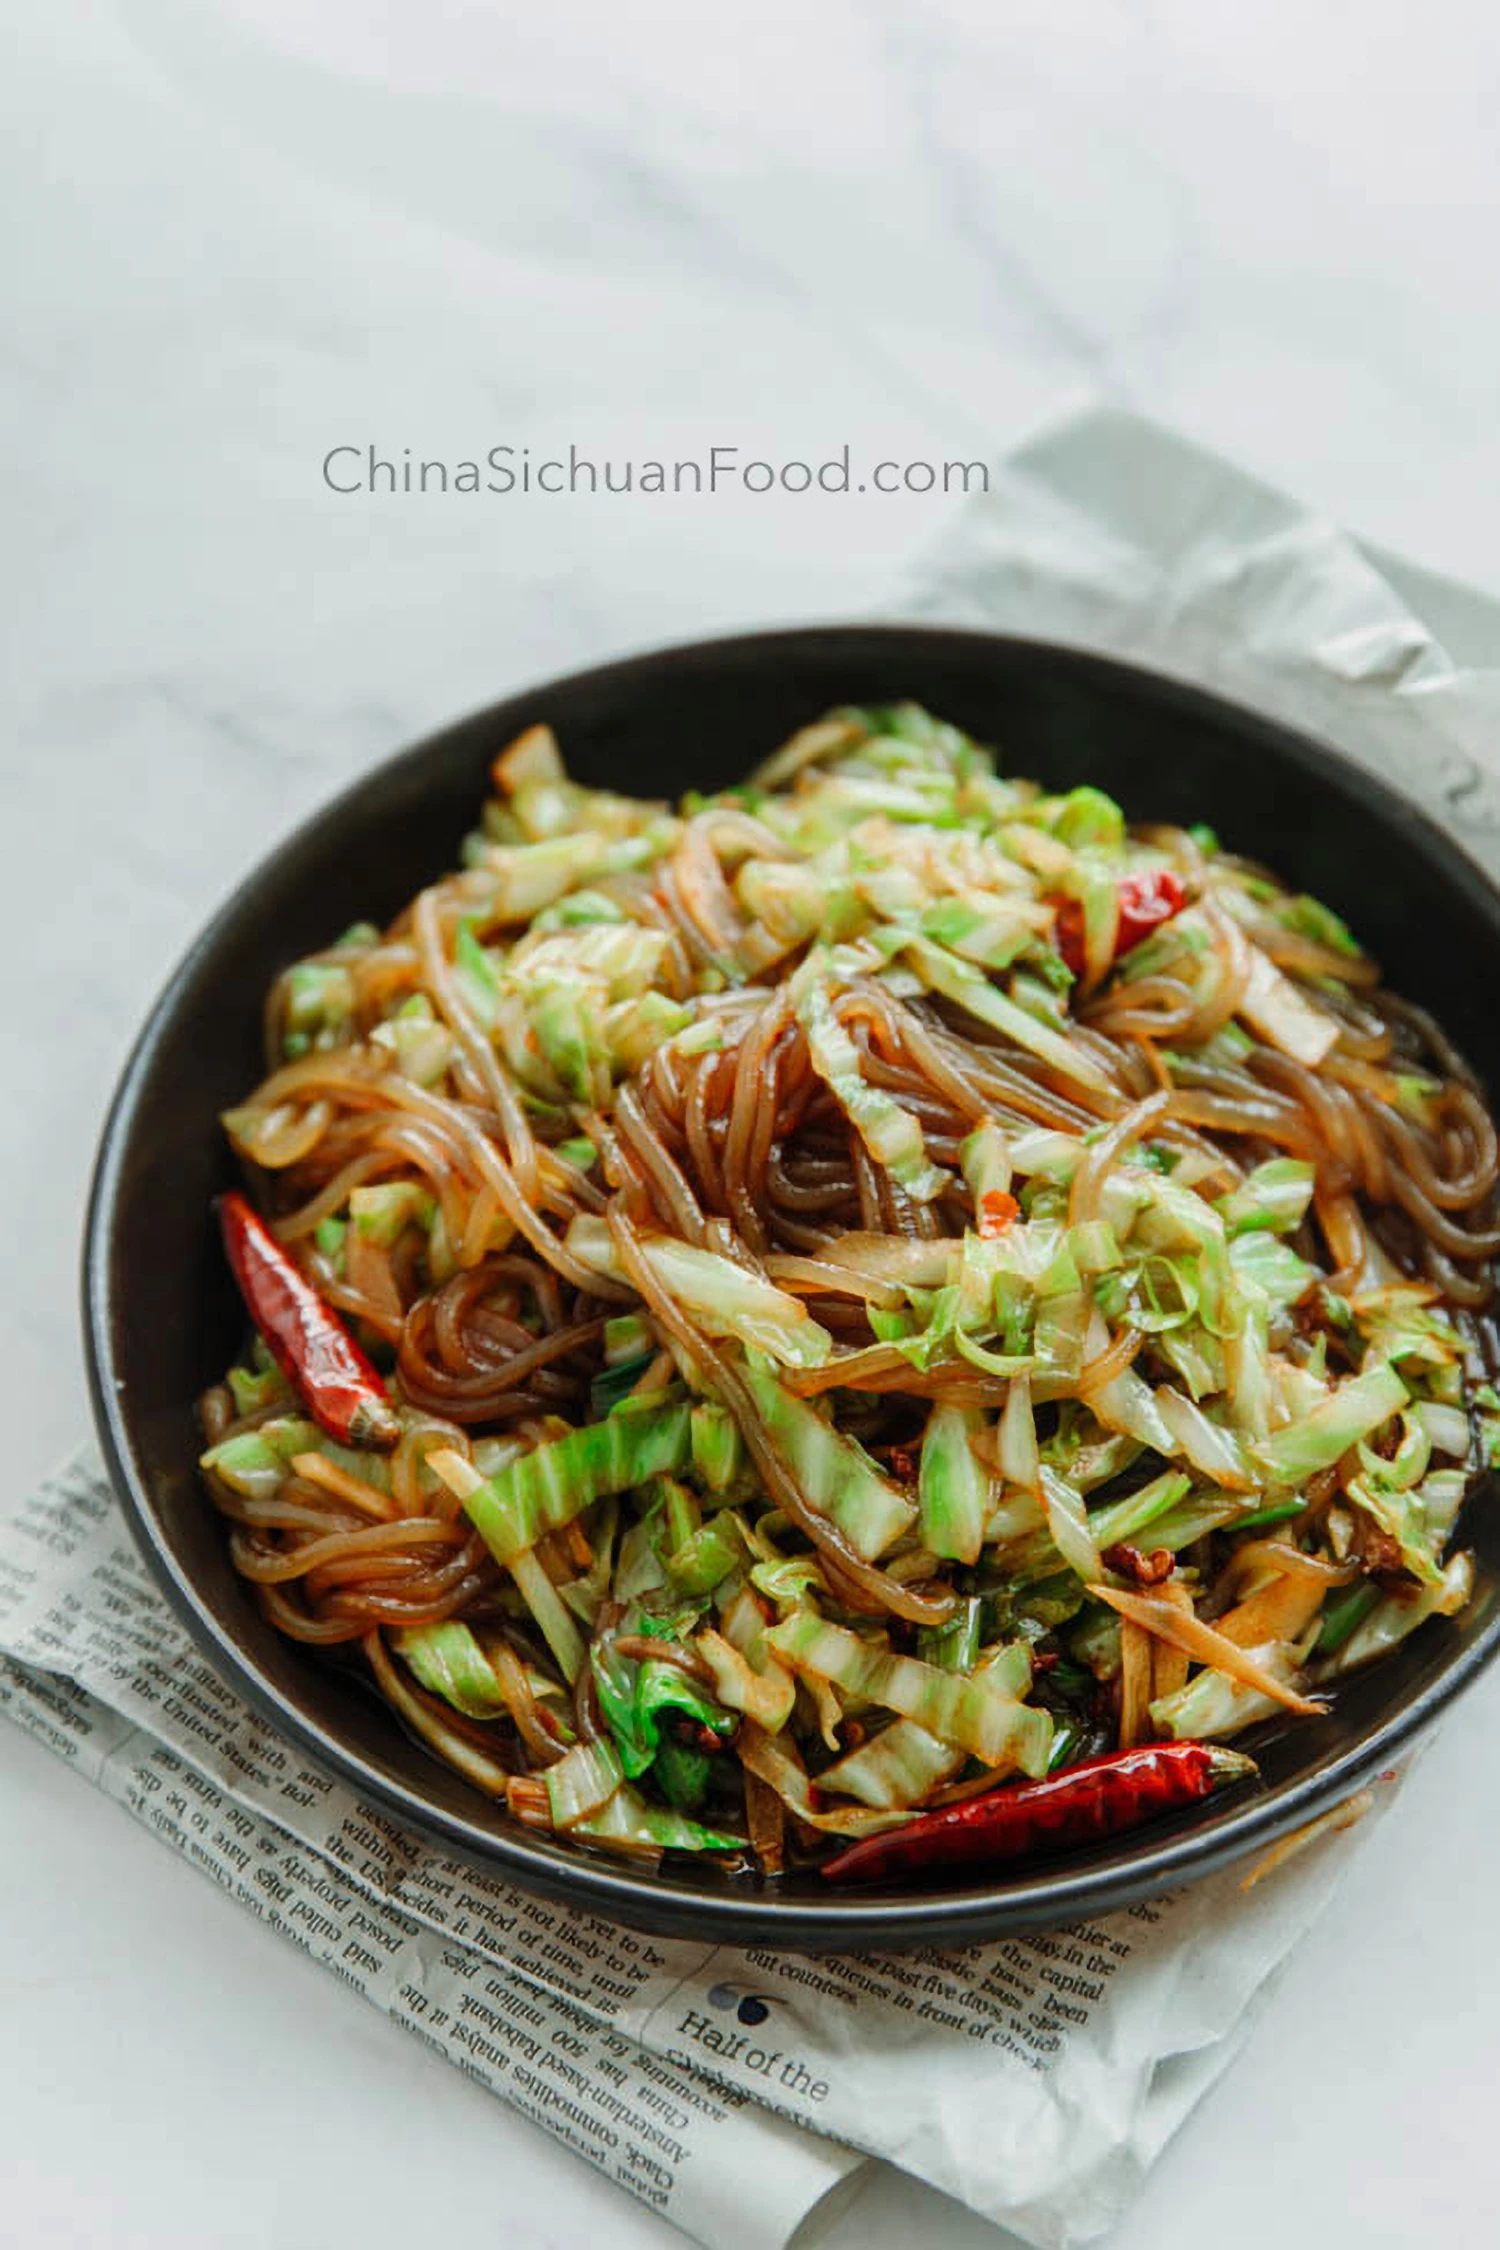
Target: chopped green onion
x,y
1343,1614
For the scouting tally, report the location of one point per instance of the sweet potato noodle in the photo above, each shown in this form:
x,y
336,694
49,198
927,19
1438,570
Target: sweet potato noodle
x,y
890,1280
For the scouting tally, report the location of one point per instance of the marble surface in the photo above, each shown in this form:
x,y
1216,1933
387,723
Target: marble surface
x,y
239,237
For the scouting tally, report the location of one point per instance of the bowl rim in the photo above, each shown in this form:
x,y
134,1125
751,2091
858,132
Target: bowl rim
x,y
1059,1892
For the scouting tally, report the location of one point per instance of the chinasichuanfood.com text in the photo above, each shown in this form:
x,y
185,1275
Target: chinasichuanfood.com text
x,y
510,469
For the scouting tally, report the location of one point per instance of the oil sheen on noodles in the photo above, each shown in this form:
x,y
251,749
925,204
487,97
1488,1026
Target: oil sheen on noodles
x,y
896,1289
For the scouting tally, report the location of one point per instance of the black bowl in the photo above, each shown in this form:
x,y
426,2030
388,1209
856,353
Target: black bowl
x,y
163,1320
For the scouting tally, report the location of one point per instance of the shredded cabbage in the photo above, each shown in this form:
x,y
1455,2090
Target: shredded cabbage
x,y
850,1267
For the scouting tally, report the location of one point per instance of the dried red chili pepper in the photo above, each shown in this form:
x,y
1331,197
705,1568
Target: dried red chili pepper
x,y
1100,1797
305,1337
997,1211
1146,899
1068,934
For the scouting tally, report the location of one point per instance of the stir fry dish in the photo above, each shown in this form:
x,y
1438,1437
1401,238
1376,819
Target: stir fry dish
x,y
870,1322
